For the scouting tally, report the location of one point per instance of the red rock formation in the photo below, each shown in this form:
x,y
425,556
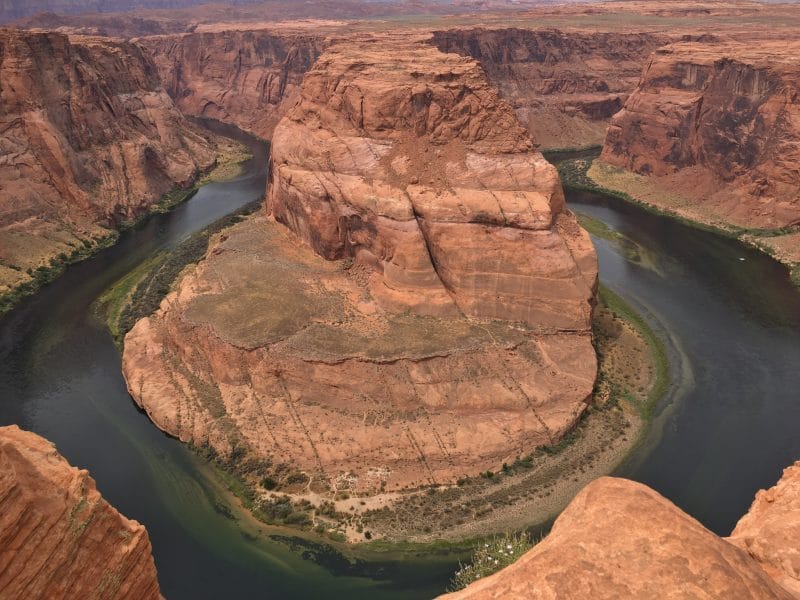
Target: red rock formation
x,y
451,334
90,138
249,78
406,159
564,86
620,539
58,537
770,531
720,124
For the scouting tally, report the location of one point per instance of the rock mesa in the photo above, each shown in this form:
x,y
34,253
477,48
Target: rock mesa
x,y
59,538
416,308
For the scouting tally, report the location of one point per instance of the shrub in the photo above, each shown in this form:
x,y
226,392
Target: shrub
x,y
489,558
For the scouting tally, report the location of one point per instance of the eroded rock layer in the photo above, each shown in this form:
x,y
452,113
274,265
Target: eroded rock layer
x,y
436,323
718,123
58,537
770,531
90,139
406,159
249,78
620,539
564,86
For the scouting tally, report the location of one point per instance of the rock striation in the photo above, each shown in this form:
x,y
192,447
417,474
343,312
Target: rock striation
x,y
90,139
770,530
436,321
620,539
59,538
564,86
407,160
718,124
249,78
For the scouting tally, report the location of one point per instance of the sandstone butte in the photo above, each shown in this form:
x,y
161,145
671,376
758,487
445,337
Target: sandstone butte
x,y
90,139
620,539
716,125
416,307
564,86
58,537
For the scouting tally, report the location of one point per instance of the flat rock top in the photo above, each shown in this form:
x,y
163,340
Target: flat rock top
x,y
260,287
621,539
780,54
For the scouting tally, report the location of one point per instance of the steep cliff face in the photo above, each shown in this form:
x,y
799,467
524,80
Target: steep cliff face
x,y
249,78
620,539
770,530
564,86
59,538
90,139
436,324
409,161
720,124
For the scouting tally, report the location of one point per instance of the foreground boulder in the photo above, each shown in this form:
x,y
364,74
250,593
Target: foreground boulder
x,y
770,531
435,324
90,139
620,539
58,537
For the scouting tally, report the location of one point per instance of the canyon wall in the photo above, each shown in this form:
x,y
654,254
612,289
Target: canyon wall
x,y
434,324
620,539
564,86
719,125
249,78
90,139
59,538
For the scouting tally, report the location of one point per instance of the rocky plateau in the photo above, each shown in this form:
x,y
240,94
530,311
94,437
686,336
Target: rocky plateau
x,y
58,537
414,307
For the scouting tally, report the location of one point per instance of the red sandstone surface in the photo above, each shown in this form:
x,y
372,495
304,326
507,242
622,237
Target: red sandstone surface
x,y
717,123
620,539
58,537
90,139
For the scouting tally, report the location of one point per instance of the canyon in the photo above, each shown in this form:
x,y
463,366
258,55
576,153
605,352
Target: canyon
x,y
90,140
58,537
711,134
621,539
412,307
405,341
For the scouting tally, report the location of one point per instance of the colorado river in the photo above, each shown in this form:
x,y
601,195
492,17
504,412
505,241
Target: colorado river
x,y
727,428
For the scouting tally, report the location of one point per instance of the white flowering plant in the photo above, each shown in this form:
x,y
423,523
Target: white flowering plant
x,y
490,557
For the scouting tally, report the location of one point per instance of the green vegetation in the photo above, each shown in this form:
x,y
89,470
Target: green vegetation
x,y
45,274
658,352
490,557
141,291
